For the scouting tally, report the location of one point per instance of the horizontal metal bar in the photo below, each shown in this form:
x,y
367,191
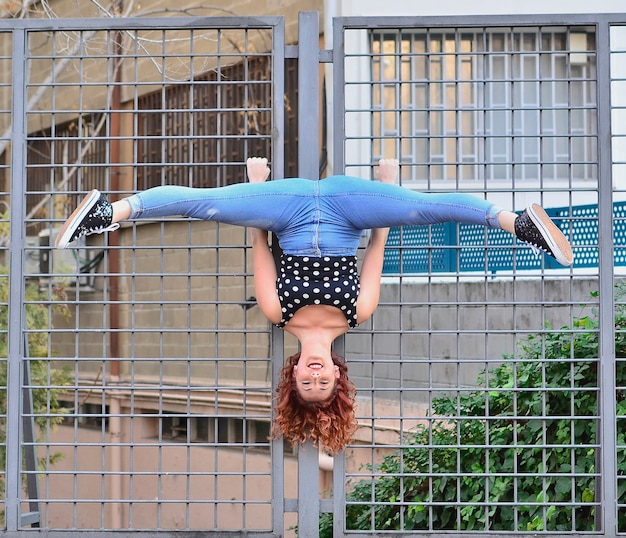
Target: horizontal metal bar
x,y
141,23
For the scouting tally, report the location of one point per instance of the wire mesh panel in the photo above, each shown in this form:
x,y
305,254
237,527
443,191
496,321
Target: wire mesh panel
x,y
137,370
150,366
479,392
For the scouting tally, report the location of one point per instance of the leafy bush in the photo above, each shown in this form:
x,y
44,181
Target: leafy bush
x,y
517,453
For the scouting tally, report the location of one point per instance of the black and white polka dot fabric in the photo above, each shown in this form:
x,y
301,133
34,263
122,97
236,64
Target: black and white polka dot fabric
x,y
328,280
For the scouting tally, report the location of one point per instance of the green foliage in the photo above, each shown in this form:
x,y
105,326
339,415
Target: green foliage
x,y
47,381
518,453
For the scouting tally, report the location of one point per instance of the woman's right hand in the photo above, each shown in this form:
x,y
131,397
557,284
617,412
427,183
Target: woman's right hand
x,y
388,170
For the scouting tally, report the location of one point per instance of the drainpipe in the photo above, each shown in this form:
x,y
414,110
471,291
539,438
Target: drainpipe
x,y
114,161
115,420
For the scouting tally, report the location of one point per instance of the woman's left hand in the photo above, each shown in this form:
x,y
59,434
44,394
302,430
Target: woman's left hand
x,y
258,171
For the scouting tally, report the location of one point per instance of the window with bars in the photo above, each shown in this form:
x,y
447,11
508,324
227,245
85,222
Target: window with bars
x,y
185,130
195,133
491,104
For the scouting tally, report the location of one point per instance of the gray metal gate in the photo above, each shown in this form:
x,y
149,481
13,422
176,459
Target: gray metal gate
x,y
139,371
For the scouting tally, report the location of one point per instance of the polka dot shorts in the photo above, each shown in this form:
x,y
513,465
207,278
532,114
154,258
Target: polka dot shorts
x,y
307,280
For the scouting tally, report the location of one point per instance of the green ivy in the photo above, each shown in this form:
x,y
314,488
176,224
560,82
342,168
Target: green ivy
x,y
510,457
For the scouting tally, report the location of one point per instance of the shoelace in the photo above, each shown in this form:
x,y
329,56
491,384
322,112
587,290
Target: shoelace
x,y
109,228
536,249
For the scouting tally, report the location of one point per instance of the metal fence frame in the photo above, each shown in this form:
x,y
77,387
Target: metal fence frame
x,y
308,505
602,23
16,520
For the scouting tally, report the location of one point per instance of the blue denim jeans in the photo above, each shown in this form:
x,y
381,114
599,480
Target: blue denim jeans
x,y
315,218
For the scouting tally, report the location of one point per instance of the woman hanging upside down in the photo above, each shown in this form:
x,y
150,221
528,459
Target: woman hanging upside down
x,y
317,293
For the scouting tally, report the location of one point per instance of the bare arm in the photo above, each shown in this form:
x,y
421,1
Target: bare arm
x,y
372,268
371,273
264,266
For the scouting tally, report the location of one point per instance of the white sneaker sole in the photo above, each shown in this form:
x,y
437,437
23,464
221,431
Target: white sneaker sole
x,y
71,224
554,237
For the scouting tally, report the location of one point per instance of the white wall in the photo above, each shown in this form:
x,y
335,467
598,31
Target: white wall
x,y
475,7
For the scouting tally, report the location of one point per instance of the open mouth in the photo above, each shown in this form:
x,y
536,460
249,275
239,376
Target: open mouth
x,y
315,365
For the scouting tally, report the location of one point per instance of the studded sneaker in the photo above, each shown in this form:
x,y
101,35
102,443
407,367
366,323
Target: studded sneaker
x,y
93,215
535,227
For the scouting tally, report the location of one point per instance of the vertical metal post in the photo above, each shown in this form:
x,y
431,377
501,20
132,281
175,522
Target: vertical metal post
x,y
308,166
339,134
277,335
339,98
608,434
339,470
16,295
308,94
339,495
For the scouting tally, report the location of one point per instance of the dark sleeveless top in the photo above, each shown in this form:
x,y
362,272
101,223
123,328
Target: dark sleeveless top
x,y
308,280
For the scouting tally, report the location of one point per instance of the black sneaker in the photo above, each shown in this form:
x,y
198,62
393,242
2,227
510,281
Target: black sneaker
x,y
93,215
535,227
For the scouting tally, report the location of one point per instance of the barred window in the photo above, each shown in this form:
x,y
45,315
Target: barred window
x,y
495,104
198,133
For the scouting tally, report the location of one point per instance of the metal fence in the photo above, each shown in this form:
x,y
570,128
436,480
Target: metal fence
x,y
137,371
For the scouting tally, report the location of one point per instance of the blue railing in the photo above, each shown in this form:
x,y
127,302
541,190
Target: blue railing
x,y
452,247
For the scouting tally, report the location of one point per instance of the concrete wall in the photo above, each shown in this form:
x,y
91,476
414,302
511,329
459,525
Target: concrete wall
x,y
168,305
442,334
149,473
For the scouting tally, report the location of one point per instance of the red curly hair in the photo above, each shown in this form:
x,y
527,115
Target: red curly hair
x,y
329,423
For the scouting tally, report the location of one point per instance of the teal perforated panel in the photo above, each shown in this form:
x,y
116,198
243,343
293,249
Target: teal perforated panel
x,y
453,247
419,249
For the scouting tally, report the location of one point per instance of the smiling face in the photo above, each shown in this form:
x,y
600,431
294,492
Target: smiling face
x,y
315,377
